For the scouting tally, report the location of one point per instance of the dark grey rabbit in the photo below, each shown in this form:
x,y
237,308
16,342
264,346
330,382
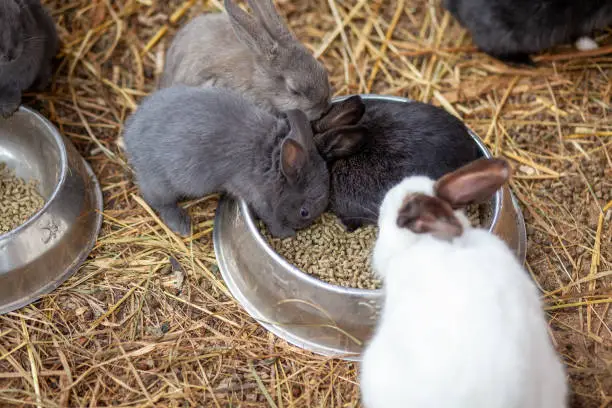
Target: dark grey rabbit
x,y
371,145
190,142
510,30
28,43
254,54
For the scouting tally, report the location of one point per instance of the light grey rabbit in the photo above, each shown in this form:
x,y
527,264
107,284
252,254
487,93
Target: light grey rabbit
x,y
256,55
190,142
28,43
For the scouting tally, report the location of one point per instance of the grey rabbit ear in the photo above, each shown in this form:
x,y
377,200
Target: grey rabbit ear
x,y
347,112
269,17
300,128
341,142
293,159
296,145
424,214
476,182
250,31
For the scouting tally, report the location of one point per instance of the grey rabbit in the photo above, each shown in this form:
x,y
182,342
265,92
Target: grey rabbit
x,y
254,54
510,30
28,43
187,142
371,145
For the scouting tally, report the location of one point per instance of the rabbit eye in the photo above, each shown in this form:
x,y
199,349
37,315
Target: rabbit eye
x,y
304,212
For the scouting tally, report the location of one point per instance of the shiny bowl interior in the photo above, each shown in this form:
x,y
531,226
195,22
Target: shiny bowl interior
x,y
307,312
45,250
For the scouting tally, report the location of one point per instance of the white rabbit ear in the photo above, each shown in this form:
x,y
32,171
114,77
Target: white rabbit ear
x,y
424,214
345,113
473,183
250,31
269,17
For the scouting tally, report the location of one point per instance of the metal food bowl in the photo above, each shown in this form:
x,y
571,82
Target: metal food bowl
x,y
40,254
307,312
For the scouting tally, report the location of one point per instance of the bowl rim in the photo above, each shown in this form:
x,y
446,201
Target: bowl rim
x,y
342,290
57,138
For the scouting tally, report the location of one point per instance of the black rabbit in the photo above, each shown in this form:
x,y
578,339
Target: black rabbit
x,y
28,43
510,30
371,145
190,142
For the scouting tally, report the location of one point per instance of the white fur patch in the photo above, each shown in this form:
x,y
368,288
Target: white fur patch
x,y
586,44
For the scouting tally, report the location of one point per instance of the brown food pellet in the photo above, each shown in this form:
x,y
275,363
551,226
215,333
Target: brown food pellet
x,y
19,199
328,252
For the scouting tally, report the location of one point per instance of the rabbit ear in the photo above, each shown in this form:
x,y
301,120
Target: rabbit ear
x,y
300,128
269,17
347,112
475,182
249,30
341,142
293,159
297,144
424,214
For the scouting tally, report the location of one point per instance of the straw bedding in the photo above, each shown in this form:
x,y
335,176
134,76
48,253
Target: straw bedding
x,y
132,328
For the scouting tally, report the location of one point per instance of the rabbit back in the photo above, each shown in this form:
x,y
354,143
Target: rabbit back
x,y
255,55
204,47
509,27
404,139
462,326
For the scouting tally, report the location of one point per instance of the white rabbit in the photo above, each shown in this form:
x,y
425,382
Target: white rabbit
x,y
462,324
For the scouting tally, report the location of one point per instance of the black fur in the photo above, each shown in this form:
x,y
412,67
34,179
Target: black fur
x,y
398,140
28,43
510,30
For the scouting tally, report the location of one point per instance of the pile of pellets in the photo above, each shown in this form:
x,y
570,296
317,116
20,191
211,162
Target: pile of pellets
x,y
328,252
19,199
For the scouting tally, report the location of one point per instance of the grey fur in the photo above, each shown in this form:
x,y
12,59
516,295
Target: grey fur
x,y
512,29
371,145
28,43
190,142
254,54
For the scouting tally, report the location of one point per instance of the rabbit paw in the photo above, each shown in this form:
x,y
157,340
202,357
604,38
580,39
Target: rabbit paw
x,y
280,231
177,220
518,60
9,102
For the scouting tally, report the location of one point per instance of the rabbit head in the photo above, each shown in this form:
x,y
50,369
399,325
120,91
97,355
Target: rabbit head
x,y
287,68
419,206
11,32
337,133
304,194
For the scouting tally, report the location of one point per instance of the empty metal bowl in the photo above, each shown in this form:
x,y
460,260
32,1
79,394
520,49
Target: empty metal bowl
x,y
309,313
40,254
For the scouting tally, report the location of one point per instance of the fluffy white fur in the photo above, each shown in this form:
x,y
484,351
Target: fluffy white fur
x,y
462,325
586,44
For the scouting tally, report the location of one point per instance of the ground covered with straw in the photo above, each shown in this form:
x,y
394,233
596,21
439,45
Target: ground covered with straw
x,y
147,321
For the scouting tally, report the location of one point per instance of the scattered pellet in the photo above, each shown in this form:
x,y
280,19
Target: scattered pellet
x,y
19,199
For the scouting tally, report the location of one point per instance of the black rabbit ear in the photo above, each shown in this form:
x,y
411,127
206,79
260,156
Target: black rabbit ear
x,y
269,17
474,183
424,214
250,31
345,113
341,142
293,159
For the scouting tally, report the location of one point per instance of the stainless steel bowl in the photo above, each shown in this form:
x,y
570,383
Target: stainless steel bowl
x,y
309,313
43,252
